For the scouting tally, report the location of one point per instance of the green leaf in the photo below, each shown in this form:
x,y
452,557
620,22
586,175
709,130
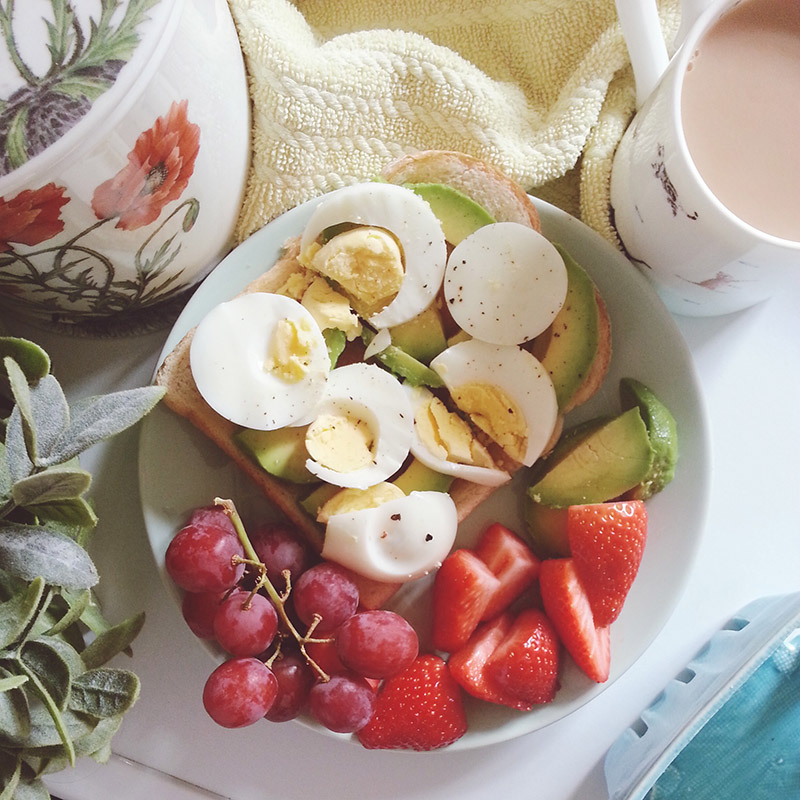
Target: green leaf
x,y
32,789
112,642
94,744
5,476
29,552
51,706
31,359
15,716
99,418
54,483
50,415
45,732
104,692
18,613
76,605
10,768
48,666
74,514
18,462
24,409
11,682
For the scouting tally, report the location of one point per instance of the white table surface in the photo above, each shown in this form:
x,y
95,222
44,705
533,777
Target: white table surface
x,y
749,368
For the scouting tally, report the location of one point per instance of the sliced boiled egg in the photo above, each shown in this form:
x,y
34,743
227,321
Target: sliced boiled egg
x,y
363,427
260,360
391,264
445,442
505,391
505,283
399,540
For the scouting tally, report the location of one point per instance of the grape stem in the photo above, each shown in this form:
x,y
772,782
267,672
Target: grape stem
x,y
263,582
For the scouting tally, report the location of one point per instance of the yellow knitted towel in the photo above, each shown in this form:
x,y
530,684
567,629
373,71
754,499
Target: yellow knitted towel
x,y
541,88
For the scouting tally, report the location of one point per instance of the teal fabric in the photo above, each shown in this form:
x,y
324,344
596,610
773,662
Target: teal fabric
x,y
750,748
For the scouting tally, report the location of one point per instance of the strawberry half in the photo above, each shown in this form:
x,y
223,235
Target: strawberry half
x,y
420,708
525,664
566,604
462,589
468,664
512,562
607,542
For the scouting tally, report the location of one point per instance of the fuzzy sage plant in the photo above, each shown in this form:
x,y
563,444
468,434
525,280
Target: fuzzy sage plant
x,y
58,699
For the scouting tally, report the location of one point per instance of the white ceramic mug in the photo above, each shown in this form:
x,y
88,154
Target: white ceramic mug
x,y
703,258
124,149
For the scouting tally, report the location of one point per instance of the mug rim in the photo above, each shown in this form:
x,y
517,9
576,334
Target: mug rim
x,y
680,62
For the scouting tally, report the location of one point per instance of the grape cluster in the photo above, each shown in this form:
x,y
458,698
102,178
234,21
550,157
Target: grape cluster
x,y
291,624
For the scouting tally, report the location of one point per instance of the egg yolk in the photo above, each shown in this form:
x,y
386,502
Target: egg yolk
x,y
331,309
340,442
366,262
493,411
448,436
348,500
290,350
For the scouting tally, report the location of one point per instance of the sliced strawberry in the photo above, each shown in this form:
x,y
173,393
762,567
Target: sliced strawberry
x,y
511,560
567,605
607,542
420,708
525,664
462,589
468,664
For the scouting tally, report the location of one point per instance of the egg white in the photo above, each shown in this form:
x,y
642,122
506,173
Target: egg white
x,y
372,394
513,370
229,350
410,219
505,283
398,541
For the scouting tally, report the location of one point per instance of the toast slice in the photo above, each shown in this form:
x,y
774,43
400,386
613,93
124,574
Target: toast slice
x,y
490,188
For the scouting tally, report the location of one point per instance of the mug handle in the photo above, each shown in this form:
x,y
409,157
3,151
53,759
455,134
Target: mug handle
x,y
641,30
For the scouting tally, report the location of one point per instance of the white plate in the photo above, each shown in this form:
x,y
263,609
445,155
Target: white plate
x,y
180,469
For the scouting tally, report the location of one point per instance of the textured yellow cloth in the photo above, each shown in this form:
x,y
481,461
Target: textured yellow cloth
x,y
541,88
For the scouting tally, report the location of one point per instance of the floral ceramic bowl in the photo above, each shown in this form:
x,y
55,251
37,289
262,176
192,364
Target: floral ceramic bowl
x,y
124,147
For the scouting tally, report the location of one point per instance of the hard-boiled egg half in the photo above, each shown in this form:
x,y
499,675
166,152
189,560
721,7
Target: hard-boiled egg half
x,y
505,283
390,255
363,427
400,539
260,360
445,442
505,391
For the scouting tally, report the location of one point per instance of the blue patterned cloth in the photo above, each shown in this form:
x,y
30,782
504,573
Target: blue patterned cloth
x,y
750,748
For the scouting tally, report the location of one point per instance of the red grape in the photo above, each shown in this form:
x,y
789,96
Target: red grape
x,y
376,644
239,692
325,656
325,589
295,679
245,625
198,559
278,547
343,704
198,610
213,517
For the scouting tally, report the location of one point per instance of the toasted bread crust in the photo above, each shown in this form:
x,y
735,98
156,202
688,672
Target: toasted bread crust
x,y
503,198
505,201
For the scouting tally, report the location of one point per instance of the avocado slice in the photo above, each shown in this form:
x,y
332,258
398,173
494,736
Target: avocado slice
x,y
405,366
601,465
567,349
336,341
317,498
281,452
417,477
460,215
663,433
421,337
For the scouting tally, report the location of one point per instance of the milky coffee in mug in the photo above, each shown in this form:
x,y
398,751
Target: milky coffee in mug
x,y
706,181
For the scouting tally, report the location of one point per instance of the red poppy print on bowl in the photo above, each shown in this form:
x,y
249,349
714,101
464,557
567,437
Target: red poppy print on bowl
x,y
157,172
31,217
